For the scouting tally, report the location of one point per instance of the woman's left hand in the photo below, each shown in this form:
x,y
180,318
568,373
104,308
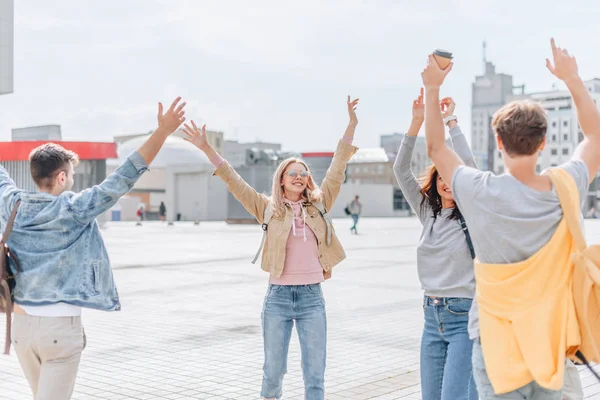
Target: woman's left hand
x,y
447,106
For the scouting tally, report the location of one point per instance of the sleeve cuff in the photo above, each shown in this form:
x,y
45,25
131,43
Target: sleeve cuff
x,y
216,160
138,162
345,150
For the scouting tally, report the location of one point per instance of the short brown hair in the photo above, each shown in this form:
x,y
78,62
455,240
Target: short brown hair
x,y
49,159
522,127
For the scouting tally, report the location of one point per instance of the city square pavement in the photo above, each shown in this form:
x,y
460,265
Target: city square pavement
x,y
190,324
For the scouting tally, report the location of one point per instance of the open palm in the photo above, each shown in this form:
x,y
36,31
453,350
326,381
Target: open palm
x,y
173,118
196,136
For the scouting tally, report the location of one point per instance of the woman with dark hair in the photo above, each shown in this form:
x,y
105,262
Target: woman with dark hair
x,y
445,266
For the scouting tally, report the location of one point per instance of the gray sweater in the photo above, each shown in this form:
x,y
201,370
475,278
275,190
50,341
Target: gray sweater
x,y
444,262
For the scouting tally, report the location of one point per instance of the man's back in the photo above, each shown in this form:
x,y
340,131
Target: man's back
x,y
54,246
509,221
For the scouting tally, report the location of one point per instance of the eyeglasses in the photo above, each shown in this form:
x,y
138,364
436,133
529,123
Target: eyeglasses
x,y
294,173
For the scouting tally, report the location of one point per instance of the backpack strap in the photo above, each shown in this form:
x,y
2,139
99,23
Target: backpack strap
x,y
264,226
463,226
328,221
5,292
568,195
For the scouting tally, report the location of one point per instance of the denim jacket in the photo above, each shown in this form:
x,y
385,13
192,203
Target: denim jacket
x,y
58,243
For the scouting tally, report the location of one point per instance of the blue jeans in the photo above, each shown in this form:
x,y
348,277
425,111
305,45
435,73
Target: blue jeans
x,y
355,219
446,372
531,391
284,305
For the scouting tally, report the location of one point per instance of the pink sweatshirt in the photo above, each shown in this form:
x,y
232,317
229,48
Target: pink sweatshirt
x,y
302,265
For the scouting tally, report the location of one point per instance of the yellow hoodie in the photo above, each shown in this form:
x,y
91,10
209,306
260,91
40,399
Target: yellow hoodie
x,y
527,316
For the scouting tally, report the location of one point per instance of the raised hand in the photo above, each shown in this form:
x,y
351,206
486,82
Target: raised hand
x,y
418,108
352,111
447,106
196,136
173,118
565,66
433,76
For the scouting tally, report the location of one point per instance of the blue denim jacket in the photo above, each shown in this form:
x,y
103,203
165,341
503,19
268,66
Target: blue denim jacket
x,y
58,243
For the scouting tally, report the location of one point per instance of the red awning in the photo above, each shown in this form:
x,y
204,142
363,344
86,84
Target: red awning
x,y
318,154
19,151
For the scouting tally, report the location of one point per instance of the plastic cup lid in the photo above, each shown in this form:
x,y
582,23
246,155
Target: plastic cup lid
x,y
442,53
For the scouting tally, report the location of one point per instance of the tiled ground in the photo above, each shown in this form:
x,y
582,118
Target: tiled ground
x,y
190,325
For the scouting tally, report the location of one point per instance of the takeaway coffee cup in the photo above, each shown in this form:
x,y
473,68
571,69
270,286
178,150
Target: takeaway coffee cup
x,y
443,58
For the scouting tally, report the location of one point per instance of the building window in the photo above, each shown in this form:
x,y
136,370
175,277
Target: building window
x,y
500,169
554,138
554,165
538,168
580,136
566,136
554,152
554,124
565,123
565,152
400,202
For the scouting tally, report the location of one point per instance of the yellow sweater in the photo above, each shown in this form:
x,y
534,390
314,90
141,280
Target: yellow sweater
x,y
527,316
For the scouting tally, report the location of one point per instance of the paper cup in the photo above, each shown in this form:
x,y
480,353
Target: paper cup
x,y
443,58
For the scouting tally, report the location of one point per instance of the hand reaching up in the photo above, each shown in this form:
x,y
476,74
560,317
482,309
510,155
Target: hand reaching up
x,y
196,136
565,66
173,118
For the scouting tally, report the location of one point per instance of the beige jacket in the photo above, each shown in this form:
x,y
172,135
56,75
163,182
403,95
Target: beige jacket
x,y
273,255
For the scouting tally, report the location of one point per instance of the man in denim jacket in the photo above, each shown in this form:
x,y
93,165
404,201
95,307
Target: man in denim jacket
x,y
64,263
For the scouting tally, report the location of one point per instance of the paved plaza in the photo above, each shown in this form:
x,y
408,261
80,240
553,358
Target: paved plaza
x,y
190,324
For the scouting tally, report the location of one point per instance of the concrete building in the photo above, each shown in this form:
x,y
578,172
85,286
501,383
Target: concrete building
x,y
236,153
6,46
179,177
45,132
490,92
370,166
319,163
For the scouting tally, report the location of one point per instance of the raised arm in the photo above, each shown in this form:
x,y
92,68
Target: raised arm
x,y
565,68
334,178
8,191
402,170
459,141
254,202
92,202
445,159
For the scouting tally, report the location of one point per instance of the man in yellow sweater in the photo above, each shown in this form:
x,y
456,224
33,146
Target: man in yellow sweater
x,y
524,325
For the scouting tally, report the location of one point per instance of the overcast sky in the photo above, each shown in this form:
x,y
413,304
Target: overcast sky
x,y
272,70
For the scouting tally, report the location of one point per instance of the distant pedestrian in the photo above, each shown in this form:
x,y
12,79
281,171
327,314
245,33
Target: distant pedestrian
x,y
162,210
355,208
140,213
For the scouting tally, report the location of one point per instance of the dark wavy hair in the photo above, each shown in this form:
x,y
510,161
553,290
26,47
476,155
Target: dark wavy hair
x,y
431,197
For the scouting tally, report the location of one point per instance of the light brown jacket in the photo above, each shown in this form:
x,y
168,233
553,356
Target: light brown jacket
x,y
273,255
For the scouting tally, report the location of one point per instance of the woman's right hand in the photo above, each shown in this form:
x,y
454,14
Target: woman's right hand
x,y
418,108
196,136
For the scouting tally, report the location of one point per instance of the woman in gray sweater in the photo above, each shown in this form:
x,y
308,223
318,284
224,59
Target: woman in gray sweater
x,y
445,266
